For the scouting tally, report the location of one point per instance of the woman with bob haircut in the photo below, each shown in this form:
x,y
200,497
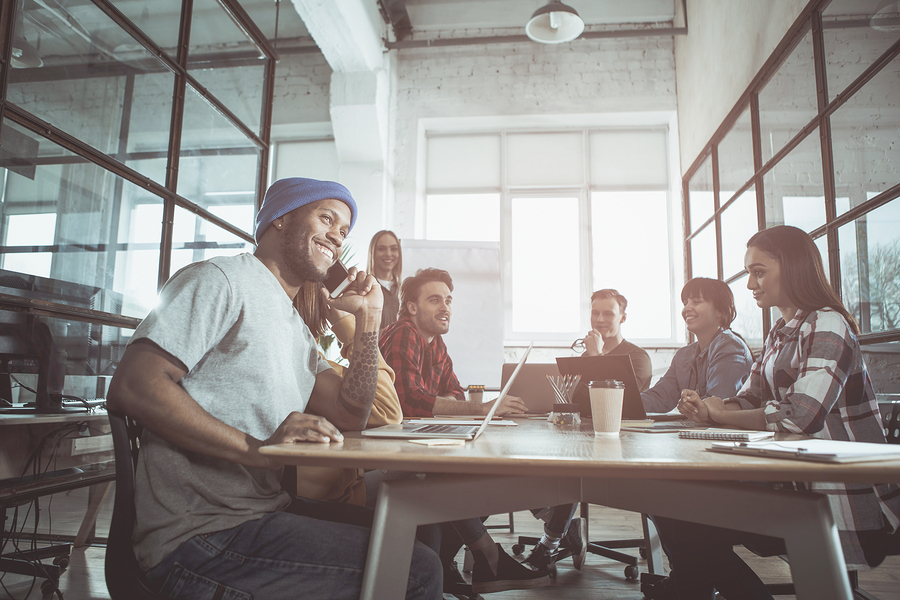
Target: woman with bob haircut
x,y
810,379
718,363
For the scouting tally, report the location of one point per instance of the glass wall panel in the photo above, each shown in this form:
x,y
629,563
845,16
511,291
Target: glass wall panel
x,y
89,86
865,131
748,322
855,35
795,192
158,21
642,278
195,239
701,202
218,164
77,227
788,102
704,261
735,158
463,217
545,159
870,255
739,223
544,308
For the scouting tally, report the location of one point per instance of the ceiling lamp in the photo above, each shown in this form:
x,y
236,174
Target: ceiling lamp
x,y
554,24
887,16
24,55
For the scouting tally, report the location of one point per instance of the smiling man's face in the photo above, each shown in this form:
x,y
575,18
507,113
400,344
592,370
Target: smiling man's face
x,y
431,312
313,236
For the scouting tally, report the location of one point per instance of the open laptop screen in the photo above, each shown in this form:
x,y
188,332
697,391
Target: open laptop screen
x,y
598,368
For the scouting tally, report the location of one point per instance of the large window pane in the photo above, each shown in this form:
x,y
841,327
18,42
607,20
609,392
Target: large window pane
x,y
470,161
71,222
545,159
788,102
225,62
95,84
865,133
735,158
795,193
739,223
463,217
748,322
870,268
701,200
195,239
544,245
703,254
218,164
159,21
855,36
623,158
644,275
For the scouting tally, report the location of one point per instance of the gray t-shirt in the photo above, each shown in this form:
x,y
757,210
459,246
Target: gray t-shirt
x,y
251,360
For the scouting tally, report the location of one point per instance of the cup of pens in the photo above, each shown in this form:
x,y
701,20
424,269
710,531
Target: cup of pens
x,y
565,412
606,406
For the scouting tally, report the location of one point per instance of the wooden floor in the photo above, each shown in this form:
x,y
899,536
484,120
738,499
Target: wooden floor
x,y
600,577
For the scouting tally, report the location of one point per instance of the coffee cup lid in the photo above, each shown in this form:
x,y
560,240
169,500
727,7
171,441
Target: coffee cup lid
x,y
607,383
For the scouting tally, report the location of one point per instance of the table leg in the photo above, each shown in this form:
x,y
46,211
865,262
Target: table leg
x,y
96,495
653,547
407,503
804,520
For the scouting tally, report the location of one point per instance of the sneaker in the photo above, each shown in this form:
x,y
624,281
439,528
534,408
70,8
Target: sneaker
x,y
540,558
510,575
574,541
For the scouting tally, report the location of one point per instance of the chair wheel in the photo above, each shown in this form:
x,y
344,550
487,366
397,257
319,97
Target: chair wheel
x,y
551,569
643,552
518,549
61,561
48,586
631,573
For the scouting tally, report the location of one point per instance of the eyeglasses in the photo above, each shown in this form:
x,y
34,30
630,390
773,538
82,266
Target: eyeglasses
x,y
578,345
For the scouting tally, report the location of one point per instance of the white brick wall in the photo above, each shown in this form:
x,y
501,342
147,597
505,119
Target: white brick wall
x,y
586,76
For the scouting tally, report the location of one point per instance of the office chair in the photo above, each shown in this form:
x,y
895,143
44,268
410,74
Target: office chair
x,y
124,578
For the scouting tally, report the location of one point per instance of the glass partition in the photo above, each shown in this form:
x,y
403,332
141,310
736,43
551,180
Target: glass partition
x,y
195,239
735,153
788,101
795,192
704,261
701,201
739,223
748,321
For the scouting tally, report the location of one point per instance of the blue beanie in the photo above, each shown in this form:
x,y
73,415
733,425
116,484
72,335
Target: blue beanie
x,y
285,195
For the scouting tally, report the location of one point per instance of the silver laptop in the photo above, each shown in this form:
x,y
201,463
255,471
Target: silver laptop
x,y
446,431
532,385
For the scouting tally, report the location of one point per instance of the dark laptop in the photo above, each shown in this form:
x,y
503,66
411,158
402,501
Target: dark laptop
x,y
531,385
598,368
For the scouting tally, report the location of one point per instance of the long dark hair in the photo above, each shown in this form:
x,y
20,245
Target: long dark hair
x,y
802,273
312,308
714,291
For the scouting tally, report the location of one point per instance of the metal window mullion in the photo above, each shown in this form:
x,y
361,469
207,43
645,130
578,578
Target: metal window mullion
x,y
265,120
714,162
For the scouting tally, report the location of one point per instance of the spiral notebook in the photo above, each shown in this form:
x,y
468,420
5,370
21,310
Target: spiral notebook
x,y
727,435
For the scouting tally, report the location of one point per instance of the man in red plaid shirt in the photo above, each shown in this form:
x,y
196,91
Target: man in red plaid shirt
x,y
413,347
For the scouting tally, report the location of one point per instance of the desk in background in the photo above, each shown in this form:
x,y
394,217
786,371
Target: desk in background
x,y
538,464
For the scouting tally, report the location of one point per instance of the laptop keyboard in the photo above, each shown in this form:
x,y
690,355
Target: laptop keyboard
x,y
446,429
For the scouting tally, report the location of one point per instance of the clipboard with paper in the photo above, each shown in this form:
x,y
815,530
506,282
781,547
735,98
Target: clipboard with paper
x,y
814,450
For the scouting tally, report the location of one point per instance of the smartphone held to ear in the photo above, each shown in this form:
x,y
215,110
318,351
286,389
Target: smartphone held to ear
x,y
336,279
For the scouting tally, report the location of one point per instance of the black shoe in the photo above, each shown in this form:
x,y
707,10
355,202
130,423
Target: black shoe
x,y
510,575
574,541
659,587
455,583
540,558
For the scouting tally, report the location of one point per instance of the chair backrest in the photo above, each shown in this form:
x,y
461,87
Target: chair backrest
x,y
890,415
124,578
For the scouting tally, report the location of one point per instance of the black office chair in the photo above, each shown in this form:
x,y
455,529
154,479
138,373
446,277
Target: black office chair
x,y
124,578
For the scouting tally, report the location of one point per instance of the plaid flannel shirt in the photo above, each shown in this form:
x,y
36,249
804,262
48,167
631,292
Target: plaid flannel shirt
x,y
811,379
424,371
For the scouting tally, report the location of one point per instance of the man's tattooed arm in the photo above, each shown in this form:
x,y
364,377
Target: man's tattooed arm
x,y
361,378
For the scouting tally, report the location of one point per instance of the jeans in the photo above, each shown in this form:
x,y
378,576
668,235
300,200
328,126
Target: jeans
x,y
281,556
559,519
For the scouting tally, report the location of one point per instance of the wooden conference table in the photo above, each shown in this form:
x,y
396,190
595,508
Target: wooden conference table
x,y
538,464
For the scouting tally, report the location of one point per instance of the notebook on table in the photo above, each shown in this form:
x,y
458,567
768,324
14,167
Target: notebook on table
x,y
727,435
412,431
815,450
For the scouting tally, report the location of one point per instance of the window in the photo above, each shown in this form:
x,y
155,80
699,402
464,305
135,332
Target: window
x,y
842,181
573,211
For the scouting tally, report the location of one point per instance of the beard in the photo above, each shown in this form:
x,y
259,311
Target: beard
x,y
298,261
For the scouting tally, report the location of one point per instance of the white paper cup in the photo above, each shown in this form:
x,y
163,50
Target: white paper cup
x,y
606,406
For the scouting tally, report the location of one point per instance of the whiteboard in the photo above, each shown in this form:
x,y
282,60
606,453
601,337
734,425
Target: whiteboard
x,y
475,339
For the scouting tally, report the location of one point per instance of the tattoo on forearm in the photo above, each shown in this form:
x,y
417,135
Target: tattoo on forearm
x,y
361,379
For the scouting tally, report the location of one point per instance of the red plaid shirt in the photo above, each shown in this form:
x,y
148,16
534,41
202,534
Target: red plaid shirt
x,y
424,371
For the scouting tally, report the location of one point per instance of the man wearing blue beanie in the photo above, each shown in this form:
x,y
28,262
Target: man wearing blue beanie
x,y
225,365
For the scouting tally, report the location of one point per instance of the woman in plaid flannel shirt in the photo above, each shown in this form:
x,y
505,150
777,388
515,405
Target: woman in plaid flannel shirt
x,y
810,379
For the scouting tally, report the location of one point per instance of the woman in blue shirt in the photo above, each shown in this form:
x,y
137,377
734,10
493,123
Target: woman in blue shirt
x,y
718,363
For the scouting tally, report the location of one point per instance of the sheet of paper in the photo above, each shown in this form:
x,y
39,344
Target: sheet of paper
x,y
438,442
